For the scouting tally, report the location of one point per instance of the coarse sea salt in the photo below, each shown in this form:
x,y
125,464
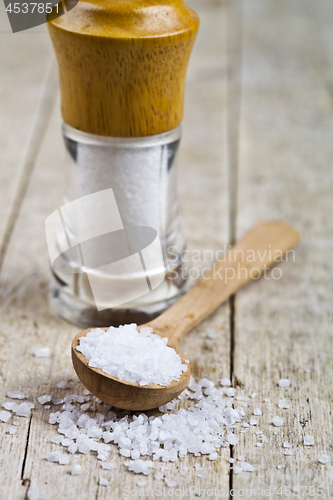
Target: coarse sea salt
x,y
76,470
324,459
15,394
277,421
309,440
42,352
127,354
4,415
284,382
33,494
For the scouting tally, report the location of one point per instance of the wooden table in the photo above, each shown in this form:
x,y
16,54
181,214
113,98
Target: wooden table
x,y
257,144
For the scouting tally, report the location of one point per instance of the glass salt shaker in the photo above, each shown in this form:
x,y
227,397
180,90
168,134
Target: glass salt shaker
x,y
116,243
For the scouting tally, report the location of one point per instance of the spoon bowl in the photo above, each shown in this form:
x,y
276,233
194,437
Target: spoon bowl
x,y
265,242
124,394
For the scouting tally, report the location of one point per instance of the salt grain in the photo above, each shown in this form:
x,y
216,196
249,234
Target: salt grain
x,y
103,482
283,404
4,415
76,470
9,405
246,467
225,382
287,445
170,483
309,440
277,421
324,459
15,395
62,385
257,411
284,382
42,352
130,355
23,410
33,494
237,469
44,399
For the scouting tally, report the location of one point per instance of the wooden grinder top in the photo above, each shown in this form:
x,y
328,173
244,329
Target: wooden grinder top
x,y
122,64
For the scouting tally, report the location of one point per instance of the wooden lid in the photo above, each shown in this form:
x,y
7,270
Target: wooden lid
x,y
122,64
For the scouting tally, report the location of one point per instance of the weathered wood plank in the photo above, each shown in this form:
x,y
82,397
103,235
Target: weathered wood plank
x,y
28,322
282,326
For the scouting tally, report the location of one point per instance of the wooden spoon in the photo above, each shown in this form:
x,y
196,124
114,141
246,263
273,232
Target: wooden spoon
x,y
261,248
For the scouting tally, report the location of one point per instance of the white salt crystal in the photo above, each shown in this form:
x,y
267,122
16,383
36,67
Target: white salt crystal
x,y
230,392
287,445
103,482
264,439
246,424
246,467
296,489
23,410
159,475
284,382
170,483
56,439
140,466
213,456
107,465
30,405
232,460
62,385
47,407
237,469
309,440
257,411
76,470
85,406
57,401
253,421
16,422
12,430
72,448
288,452
267,400
4,415
232,439
259,444
130,355
253,395
44,399
10,405
279,466
283,404
54,456
241,458
15,394
64,459
324,459
33,494
277,421
42,352
225,382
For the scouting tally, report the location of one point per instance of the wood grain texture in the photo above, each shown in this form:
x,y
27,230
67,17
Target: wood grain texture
x,y
283,328
122,65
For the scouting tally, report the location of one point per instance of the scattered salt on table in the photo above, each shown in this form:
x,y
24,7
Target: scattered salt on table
x,y
324,459
284,382
42,352
23,410
246,467
283,404
44,399
4,415
237,469
76,470
62,385
277,421
257,412
225,382
15,395
287,445
103,482
9,405
33,494
309,440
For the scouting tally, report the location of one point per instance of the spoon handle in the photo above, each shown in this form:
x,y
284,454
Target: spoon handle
x,y
261,248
